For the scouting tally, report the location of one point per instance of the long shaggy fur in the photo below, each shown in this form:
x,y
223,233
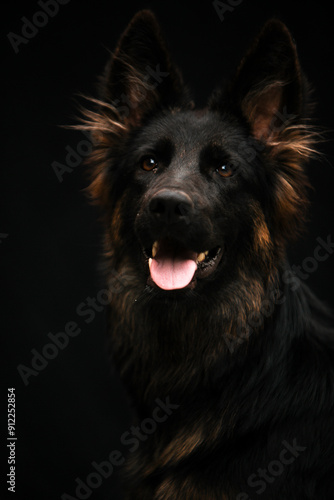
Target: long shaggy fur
x,y
245,350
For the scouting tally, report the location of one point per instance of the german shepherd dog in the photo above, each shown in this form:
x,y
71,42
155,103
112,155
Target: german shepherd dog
x,y
210,323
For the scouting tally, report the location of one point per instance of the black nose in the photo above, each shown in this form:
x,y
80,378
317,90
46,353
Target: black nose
x,y
171,206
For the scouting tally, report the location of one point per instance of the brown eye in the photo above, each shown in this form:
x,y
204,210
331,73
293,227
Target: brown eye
x,y
225,170
149,163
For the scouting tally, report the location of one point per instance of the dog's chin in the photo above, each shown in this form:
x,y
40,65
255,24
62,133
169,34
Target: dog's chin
x,y
174,270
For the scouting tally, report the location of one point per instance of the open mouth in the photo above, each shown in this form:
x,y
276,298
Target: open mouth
x,y
173,266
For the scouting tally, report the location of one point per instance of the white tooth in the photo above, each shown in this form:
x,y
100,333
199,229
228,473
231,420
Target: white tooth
x,y
155,249
200,257
149,263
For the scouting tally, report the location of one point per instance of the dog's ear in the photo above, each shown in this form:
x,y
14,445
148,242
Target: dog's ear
x,y
268,87
269,94
140,76
139,80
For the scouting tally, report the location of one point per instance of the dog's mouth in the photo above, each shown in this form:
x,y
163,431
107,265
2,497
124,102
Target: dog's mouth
x,y
172,266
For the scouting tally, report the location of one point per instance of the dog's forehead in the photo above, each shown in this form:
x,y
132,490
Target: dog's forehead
x,y
193,130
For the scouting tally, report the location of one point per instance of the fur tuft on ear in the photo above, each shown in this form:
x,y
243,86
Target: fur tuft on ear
x,y
141,64
269,89
138,79
269,82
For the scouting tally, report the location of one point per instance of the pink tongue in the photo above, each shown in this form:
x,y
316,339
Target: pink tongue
x,y
171,272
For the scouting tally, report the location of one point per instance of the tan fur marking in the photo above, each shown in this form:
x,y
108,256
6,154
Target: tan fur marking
x,y
187,490
262,240
166,491
298,141
261,107
116,220
180,447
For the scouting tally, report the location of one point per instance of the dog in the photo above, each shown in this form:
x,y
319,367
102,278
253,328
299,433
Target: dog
x,y
226,354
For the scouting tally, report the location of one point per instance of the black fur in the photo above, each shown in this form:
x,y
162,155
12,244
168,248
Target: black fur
x,y
244,352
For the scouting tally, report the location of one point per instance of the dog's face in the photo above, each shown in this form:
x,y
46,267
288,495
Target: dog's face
x,y
194,197
198,193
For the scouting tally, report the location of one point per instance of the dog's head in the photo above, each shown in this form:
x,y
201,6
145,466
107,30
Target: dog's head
x,y
197,197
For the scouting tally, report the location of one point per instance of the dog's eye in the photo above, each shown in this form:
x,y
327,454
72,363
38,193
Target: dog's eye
x,y
225,170
149,163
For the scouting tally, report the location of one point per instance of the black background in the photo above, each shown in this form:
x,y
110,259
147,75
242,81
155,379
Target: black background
x,y
74,411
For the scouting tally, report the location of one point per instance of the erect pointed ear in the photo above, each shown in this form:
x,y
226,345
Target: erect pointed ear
x,y
268,87
270,93
140,76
